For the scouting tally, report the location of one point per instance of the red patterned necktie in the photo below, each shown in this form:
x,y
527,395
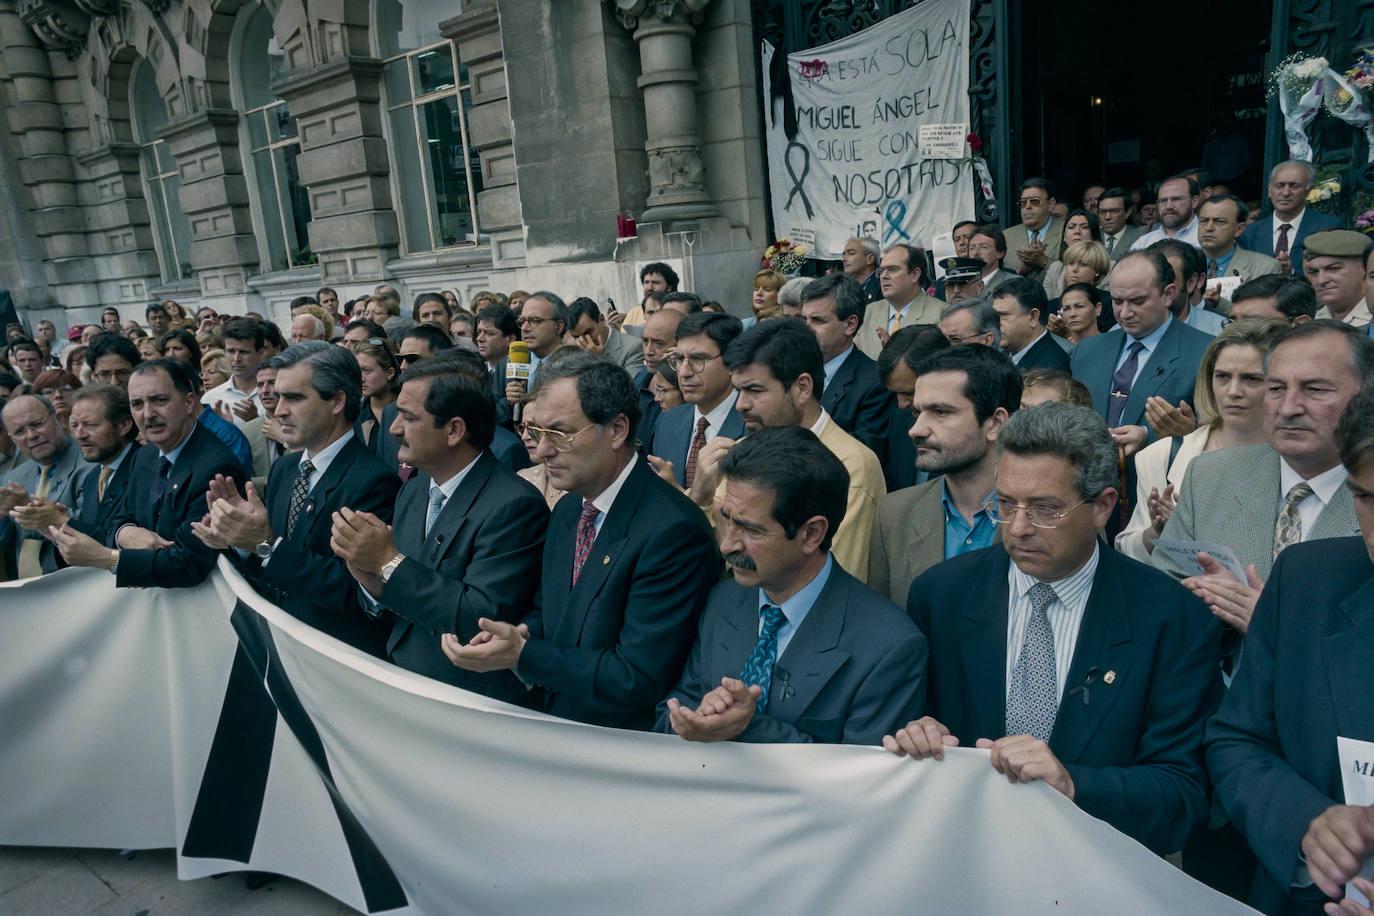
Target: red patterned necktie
x,y
698,442
586,533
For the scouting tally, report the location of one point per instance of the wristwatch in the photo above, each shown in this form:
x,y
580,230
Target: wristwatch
x,y
390,567
263,550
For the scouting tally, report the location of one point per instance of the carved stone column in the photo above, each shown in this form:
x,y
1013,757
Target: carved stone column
x,y
663,29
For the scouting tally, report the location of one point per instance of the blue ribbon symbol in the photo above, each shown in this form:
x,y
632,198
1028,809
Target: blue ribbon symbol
x,y
895,216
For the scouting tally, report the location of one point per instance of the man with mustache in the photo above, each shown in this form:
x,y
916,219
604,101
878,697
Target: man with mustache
x,y
1258,499
776,369
762,668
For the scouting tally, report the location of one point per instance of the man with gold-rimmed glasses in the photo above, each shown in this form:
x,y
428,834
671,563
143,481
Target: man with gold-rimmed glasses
x,y
1069,663
627,563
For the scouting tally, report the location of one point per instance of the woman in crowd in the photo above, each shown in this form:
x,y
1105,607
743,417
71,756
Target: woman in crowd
x,y
535,473
380,384
57,386
147,347
180,344
380,308
1085,262
75,360
766,286
1230,406
1081,226
666,393
451,298
513,302
1080,313
176,315
214,369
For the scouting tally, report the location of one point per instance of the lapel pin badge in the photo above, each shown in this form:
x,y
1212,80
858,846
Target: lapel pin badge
x,y
606,561
1109,677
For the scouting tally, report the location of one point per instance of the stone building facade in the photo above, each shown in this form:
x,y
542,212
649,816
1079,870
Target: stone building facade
x,y
237,153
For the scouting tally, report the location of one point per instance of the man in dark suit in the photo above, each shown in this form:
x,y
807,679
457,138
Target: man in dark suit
x,y
150,533
709,411
794,648
1072,664
1271,748
104,429
659,333
468,534
1023,309
832,307
1283,233
1149,354
284,541
625,570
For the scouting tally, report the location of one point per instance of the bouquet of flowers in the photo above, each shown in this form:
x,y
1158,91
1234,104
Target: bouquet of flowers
x,y
1324,190
1365,222
784,257
1361,73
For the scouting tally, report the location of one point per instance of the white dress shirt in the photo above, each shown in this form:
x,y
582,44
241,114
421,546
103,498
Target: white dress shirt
x,y
715,419
1324,487
1065,614
606,498
1295,222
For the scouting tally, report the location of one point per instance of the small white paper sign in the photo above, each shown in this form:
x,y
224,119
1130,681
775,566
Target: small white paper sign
x,y
943,141
1227,285
1184,553
1357,778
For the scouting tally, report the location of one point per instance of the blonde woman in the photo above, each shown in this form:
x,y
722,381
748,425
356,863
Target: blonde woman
x,y
1230,407
214,368
766,286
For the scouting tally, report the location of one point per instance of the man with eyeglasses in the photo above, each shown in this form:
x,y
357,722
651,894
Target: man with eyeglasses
x,y
111,358
1113,213
363,331
1071,664
960,399
901,276
709,408
1178,203
543,321
1039,238
32,493
626,567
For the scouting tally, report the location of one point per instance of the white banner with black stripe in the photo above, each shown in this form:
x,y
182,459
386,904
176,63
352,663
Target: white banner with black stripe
x,y
211,721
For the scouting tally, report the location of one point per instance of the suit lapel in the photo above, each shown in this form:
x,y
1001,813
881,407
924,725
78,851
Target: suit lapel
x,y
733,427
924,531
1257,509
1337,519
1104,630
442,536
812,658
1346,657
1157,369
604,553
834,390
983,645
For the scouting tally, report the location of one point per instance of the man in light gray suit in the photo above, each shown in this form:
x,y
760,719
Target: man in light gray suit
x,y
55,473
1259,499
962,396
794,649
588,326
1039,238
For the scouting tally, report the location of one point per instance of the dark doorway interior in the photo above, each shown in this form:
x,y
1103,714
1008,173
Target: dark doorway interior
x,y
1108,87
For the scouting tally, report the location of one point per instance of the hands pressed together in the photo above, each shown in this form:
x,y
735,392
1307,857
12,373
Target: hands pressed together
x,y
722,715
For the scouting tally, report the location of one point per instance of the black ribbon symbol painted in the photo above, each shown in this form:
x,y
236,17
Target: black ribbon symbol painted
x,y
224,821
798,179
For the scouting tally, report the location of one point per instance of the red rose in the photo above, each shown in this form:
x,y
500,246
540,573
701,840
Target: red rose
x,y
975,142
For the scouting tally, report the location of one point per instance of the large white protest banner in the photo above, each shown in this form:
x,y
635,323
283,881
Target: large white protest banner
x,y
211,721
866,105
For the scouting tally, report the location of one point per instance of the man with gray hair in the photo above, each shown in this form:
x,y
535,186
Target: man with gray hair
x,y
971,321
1071,663
1282,233
852,393
31,493
284,540
859,260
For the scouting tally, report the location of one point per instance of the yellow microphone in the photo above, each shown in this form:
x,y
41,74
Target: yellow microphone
x,y
518,370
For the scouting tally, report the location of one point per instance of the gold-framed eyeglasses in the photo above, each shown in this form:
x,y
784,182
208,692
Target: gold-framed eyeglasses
x,y
1041,515
530,321
697,361
560,440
